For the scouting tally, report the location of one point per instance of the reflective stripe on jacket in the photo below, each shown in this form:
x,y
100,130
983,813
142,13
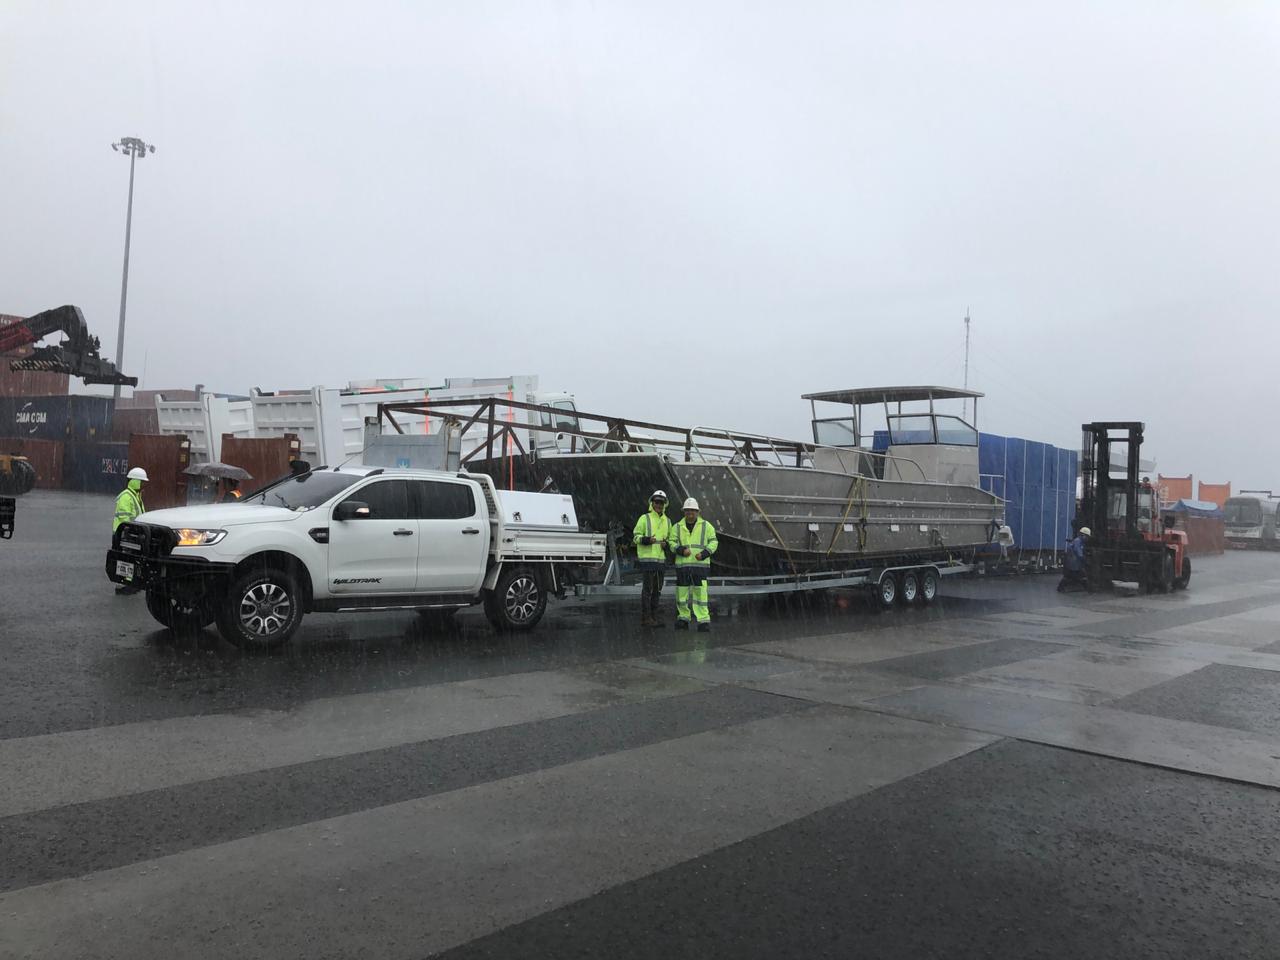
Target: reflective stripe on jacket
x,y
658,526
128,506
702,538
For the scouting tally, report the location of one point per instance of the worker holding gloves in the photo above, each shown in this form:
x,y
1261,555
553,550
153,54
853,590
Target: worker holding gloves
x,y
692,541
650,537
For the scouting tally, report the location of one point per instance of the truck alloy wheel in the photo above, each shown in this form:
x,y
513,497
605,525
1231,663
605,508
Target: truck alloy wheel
x,y
178,614
261,610
517,601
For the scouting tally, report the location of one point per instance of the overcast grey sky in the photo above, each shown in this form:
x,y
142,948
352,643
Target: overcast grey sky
x,y
687,212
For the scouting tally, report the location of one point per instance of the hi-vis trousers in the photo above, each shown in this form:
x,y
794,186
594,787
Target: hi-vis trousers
x,y
691,587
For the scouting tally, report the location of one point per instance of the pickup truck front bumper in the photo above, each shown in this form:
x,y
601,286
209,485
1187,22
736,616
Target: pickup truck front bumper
x,y
145,572
140,556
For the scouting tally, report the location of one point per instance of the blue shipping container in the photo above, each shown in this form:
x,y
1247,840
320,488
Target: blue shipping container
x,y
56,418
95,467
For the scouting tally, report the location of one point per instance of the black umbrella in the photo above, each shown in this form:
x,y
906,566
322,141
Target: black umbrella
x,y
218,470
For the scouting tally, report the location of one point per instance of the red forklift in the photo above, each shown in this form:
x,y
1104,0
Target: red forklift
x,y
1131,541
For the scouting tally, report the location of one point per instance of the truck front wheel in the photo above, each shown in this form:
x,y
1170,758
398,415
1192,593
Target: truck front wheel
x,y
262,609
517,601
179,614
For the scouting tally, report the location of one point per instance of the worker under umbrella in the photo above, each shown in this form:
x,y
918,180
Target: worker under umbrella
x,y
229,490
650,535
692,541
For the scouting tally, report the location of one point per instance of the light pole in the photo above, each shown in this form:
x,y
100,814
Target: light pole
x,y
133,148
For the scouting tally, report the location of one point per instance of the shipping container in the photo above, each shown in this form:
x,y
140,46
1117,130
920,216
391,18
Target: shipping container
x,y
45,456
164,458
94,467
1172,489
265,458
56,418
1215,492
126,421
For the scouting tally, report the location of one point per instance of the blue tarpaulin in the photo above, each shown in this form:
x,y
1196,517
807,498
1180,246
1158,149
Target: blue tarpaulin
x,y
1196,508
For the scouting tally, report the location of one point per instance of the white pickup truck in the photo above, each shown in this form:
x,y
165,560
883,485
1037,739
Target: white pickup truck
x,y
354,538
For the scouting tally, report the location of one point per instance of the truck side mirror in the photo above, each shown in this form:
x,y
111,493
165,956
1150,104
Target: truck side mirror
x,y
351,510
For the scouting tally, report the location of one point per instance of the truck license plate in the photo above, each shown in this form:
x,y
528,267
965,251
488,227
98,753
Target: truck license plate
x,y
124,569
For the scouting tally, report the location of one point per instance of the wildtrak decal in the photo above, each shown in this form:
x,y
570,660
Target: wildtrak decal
x,y
357,580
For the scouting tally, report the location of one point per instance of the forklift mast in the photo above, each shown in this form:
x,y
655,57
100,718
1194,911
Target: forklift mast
x,y
1109,504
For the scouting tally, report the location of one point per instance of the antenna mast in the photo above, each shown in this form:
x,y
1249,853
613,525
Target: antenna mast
x,y
965,411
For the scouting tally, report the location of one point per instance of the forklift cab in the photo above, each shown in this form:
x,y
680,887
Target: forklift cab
x,y
1131,542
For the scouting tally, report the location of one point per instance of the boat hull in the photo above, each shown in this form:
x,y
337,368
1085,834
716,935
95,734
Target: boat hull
x,y
779,519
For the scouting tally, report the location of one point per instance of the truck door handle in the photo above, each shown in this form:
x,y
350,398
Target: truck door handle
x,y
470,530
402,532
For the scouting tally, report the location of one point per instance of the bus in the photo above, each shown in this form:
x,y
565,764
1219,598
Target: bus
x,y
1251,520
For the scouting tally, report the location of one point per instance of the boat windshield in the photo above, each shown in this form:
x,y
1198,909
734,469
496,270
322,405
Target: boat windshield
x,y
930,428
836,432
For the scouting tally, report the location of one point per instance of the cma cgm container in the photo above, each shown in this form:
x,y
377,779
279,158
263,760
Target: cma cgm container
x,y
56,418
1039,482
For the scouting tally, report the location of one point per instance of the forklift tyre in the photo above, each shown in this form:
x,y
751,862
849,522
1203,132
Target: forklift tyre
x,y
1166,573
1182,581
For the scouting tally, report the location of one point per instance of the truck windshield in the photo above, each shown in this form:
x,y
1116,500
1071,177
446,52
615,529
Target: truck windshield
x,y
304,492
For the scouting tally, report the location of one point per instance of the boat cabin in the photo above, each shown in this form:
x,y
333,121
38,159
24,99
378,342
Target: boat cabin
x,y
898,433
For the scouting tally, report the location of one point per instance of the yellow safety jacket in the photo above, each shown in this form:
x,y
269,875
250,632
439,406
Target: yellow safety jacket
x,y
701,540
658,526
128,504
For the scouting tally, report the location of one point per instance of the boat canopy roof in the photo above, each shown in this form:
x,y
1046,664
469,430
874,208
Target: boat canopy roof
x,y
892,394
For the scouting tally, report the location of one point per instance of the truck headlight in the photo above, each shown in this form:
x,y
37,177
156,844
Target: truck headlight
x,y
198,538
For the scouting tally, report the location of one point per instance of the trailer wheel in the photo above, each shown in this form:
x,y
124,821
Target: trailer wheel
x,y
887,591
262,609
517,602
1182,581
909,588
181,615
928,586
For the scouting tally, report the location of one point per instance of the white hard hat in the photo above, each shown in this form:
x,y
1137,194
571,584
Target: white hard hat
x,y
658,495
691,504
137,473
1086,532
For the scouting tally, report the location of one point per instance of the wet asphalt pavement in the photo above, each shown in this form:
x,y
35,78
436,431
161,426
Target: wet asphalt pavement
x,y
1009,773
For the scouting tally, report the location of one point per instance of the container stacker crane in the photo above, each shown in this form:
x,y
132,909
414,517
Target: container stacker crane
x,y
77,355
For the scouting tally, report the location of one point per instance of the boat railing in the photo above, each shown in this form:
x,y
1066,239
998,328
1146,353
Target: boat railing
x,y
489,430
748,449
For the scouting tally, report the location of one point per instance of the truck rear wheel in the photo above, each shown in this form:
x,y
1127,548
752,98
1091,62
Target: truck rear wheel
x,y
179,614
262,609
517,601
